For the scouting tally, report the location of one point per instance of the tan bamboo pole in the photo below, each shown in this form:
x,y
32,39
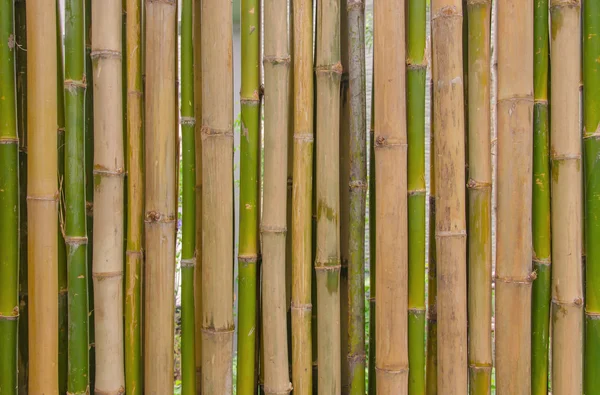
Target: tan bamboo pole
x,y
108,195
565,148
161,198
450,224
391,159
42,197
514,164
217,197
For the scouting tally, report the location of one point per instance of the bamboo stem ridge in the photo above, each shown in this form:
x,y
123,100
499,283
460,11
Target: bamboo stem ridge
x,y
513,253
9,203
160,199
75,211
479,189
591,140
391,154
108,196
302,190
565,148
540,218
217,197
134,257
42,199
450,223
328,70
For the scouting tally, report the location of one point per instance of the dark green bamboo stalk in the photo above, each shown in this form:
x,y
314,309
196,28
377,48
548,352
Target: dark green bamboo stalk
x,y
357,195
188,259
89,181
249,248
591,138
416,69
74,187
372,241
540,312
63,286
9,204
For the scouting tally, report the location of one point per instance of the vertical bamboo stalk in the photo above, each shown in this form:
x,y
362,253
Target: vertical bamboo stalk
x,y
198,190
135,208
313,289
21,85
372,253
565,148
591,139
108,195
161,158
9,203
301,203
540,216
514,163
217,197
391,197
450,221
327,260
42,197
273,226
74,186
416,70
188,258
479,190
249,248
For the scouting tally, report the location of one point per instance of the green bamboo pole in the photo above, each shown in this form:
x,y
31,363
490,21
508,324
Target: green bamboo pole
x,y
188,232
479,194
372,256
21,39
63,281
74,186
416,69
135,204
357,196
249,248
541,236
591,139
9,204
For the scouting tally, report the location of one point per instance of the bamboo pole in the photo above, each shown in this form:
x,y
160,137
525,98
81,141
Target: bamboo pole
x,y
390,147
565,148
108,173
450,222
357,185
416,69
541,230
9,204
372,390
188,258
21,85
197,42
74,187
513,252
217,198
327,261
302,191
479,190
249,248
160,197
134,259
42,198
591,120
273,226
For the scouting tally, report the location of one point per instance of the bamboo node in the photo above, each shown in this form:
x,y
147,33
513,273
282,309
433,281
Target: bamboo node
x,y
274,60
253,258
103,275
474,184
60,130
301,306
565,157
89,208
477,2
72,85
155,216
135,93
448,12
457,233
135,253
190,121
9,140
270,391
190,262
391,371
517,280
53,198
273,229
206,132
592,315
415,66
417,192
86,392
250,101
218,331
355,5
541,261
120,391
169,2
355,358
75,240
577,302
336,68
416,310
564,3
385,142
481,367
100,170
327,267
304,137
105,54
595,135
12,316
358,185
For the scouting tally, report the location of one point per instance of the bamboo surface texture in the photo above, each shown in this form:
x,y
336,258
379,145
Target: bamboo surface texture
x,y
371,374
514,161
